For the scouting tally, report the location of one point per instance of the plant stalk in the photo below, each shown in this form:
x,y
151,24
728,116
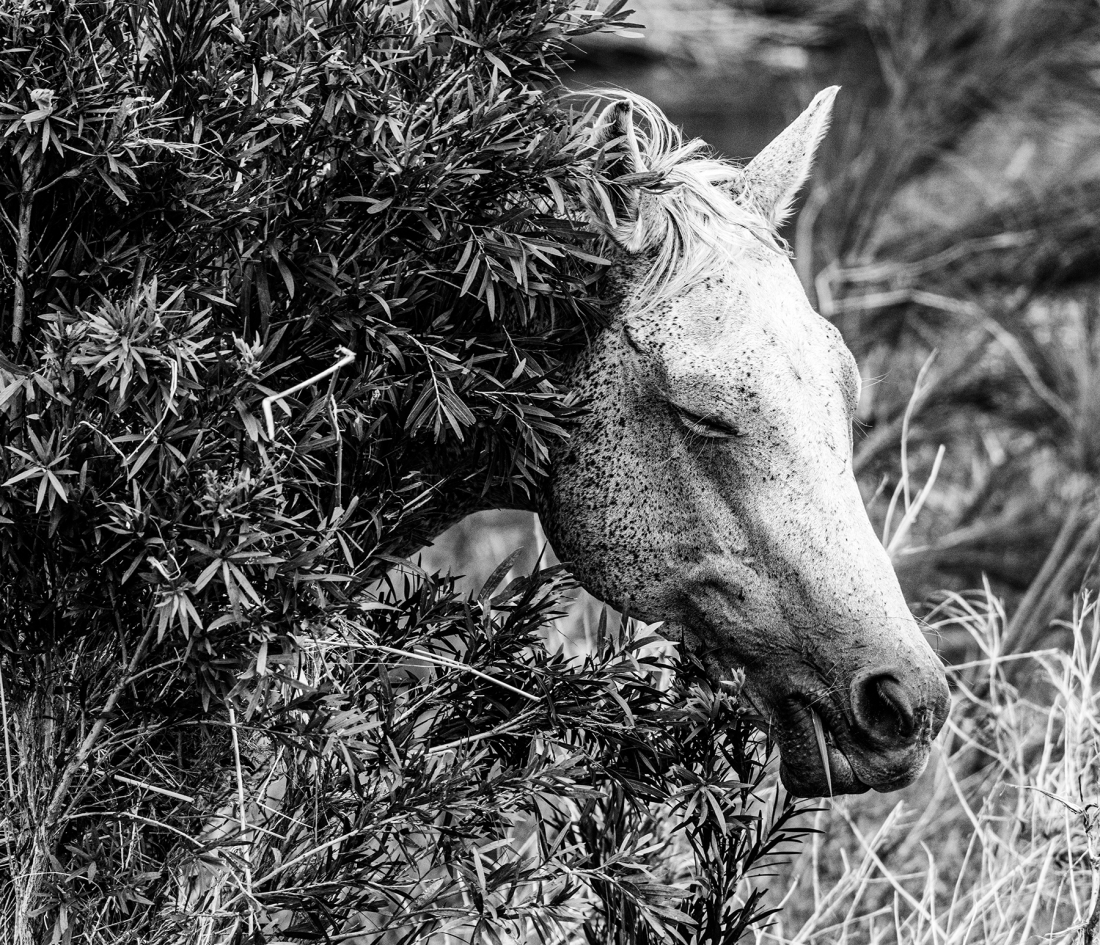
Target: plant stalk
x,y
36,868
31,170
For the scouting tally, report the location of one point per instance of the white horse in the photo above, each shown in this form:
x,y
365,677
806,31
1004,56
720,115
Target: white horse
x,y
710,484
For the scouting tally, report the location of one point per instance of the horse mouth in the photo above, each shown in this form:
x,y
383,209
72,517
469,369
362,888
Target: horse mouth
x,y
812,763
822,755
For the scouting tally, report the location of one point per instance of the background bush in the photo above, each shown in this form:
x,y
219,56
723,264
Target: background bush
x,y
220,723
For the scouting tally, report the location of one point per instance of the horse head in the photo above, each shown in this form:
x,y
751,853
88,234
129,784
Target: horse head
x,y
710,482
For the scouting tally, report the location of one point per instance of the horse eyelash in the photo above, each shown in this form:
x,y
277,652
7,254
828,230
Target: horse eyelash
x,y
713,427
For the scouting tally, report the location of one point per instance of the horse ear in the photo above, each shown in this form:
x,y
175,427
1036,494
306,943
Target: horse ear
x,y
772,178
616,208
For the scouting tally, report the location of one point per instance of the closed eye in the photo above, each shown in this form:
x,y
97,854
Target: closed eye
x,y
710,425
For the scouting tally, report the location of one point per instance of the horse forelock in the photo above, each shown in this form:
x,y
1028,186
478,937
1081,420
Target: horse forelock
x,y
689,223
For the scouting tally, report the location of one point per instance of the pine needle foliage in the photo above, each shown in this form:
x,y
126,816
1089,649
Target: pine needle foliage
x,y
217,724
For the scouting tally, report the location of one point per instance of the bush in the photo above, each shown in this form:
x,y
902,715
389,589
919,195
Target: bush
x,y
218,725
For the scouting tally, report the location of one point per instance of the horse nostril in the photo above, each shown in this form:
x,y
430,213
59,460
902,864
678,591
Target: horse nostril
x,y
883,709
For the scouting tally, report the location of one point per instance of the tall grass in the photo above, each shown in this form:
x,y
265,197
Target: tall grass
x,y
997,843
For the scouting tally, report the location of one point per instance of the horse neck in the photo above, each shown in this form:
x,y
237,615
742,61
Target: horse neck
x,y
456,503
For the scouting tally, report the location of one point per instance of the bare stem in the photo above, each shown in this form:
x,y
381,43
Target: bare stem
x,y
31,168
10,798
1091,818
45,828
243,817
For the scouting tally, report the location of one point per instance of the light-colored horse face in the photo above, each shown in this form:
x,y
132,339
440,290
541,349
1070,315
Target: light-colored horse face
x,y
710,486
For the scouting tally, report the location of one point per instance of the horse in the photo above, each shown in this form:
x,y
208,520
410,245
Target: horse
x,y
709,484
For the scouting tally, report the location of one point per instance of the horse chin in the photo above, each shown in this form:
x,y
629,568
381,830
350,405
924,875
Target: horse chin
x,y
811,781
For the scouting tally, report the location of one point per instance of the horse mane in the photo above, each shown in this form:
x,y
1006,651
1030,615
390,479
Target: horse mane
x,y
689,222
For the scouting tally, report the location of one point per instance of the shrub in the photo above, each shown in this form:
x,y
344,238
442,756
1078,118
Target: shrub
x,y
218,725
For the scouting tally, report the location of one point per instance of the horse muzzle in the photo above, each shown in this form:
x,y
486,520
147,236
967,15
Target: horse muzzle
x,y
880,739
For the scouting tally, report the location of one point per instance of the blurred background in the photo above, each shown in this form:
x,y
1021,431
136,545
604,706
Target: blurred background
x,y
952,232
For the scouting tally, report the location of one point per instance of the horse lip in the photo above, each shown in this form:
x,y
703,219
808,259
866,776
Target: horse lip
x,y
842,778
835,723
798,723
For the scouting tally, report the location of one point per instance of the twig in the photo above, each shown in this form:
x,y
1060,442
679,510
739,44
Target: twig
x,y
152,787
159,824
503,729
245,838
334,411
913,510
1092,854
10,798
453,664
892,542
348,357
31,169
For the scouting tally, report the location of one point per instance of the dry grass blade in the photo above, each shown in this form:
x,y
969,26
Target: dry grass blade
x,y
1092,832
822,748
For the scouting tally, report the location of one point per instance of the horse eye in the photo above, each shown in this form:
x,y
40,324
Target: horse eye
x,y
631,341
712,426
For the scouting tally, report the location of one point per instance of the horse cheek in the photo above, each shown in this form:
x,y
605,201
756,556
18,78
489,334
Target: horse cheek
x,y
600,510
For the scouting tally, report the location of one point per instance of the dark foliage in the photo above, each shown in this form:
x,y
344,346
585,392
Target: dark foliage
x,y
218,725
